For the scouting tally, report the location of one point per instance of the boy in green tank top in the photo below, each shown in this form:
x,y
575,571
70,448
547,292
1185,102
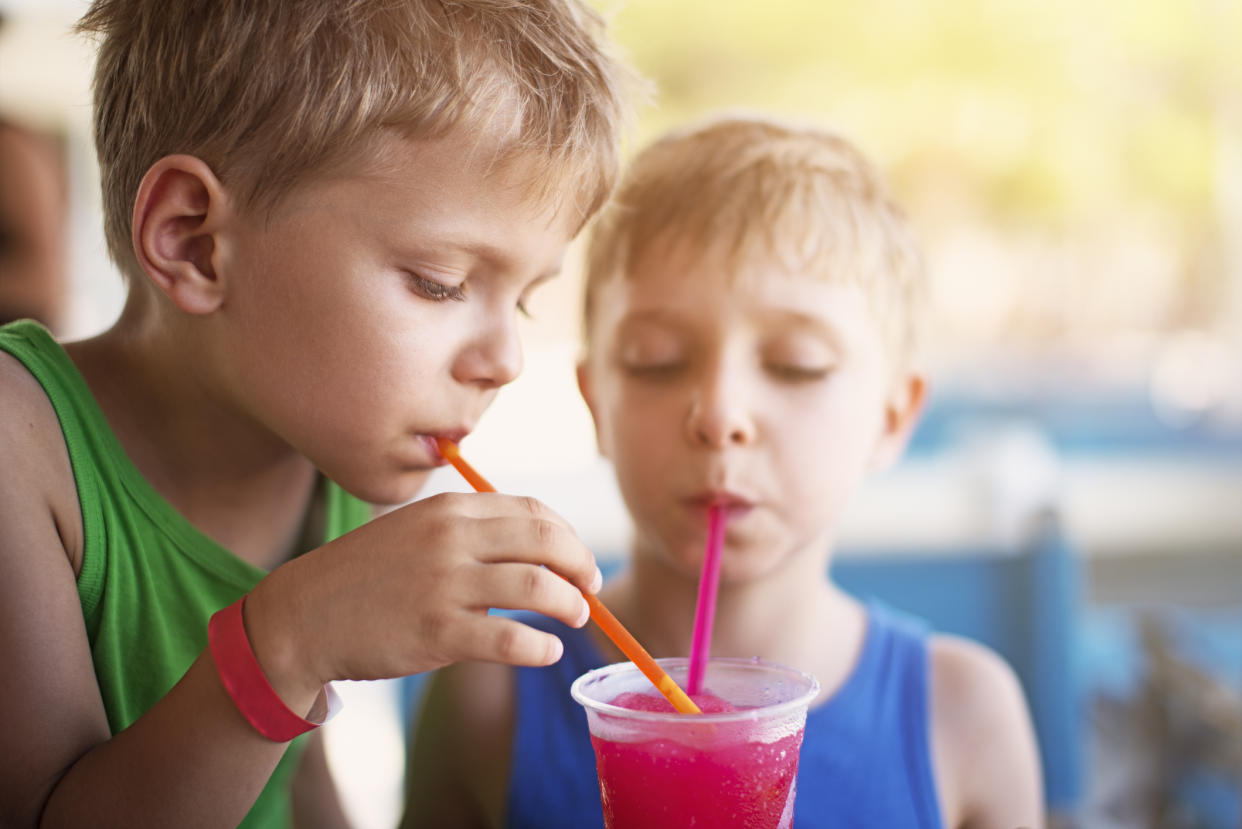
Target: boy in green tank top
x,y
329,216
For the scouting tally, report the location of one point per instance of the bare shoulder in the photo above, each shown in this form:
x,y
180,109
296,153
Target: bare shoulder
x,y
971,682
984,749
38,480
23,403
52,710
459,757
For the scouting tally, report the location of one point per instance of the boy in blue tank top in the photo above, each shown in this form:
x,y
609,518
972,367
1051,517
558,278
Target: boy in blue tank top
x,y
750,329
329,215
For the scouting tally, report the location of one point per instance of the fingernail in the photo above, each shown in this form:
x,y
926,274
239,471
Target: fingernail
x,y
584,615
598,581
558,649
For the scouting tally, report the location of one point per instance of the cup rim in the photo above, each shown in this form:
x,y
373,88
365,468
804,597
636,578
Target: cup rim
x,y
767,711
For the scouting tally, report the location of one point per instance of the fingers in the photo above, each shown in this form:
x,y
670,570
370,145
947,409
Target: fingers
x,y
500,639
536,541
521,529
446,560
495,505
526,587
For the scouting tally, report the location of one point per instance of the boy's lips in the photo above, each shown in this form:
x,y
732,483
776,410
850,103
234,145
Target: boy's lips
x,y
429,441
734,504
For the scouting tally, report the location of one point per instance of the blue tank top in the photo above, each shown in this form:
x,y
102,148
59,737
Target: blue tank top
x,y
866,754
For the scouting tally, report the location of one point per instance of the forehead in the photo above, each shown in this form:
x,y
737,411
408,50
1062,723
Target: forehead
x,y
458,167
458,191
682,285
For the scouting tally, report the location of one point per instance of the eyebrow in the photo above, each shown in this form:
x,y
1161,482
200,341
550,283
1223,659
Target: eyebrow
x,y
787,318
477,248
480,249
808,321
659,318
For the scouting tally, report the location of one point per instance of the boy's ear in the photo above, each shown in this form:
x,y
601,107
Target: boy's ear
x,y
902,411
178,213
588,397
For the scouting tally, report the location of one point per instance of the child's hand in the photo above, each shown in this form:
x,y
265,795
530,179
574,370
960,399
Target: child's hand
x,y
410,591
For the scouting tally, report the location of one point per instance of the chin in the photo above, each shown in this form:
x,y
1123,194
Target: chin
x,y
391,490
407,488
754,568
736,567
751,557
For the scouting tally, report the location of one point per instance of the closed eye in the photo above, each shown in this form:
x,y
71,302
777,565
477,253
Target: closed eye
x,y
654,371
797,374
433,290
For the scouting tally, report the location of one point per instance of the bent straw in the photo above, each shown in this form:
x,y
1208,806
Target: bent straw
x,y
603,617
705,610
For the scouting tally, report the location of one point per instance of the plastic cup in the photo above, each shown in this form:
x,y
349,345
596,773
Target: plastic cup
x,y
668,771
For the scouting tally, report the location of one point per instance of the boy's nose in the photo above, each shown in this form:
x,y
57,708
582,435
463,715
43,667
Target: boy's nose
x,y
493,359
718,419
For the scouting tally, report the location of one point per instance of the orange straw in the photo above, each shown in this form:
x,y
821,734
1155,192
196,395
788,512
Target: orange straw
x,y
603,617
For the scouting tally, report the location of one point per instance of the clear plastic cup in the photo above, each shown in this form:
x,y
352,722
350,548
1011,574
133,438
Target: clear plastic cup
x,y
662,770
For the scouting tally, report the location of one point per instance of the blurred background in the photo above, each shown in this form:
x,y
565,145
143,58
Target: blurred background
x,y
1075,173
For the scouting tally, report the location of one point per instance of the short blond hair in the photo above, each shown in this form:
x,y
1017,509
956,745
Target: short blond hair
x,y
760,190
267,92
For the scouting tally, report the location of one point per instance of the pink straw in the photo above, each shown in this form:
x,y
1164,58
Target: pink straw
x,y
705,611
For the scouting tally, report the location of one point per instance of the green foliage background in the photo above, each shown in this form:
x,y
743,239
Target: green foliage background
x,y
1046,126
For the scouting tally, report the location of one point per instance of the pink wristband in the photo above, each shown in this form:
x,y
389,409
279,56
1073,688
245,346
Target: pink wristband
x,y
245,682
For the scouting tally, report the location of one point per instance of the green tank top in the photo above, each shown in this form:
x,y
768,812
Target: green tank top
x,y
150,580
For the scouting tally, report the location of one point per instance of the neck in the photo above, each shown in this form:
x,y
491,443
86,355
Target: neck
x,y
234,480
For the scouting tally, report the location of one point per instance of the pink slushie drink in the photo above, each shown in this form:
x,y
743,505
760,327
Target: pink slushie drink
x,y
735,765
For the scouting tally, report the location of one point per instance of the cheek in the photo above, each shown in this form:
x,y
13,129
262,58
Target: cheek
x,y
627,417
826,445
297,311
346,374
648,423
641,445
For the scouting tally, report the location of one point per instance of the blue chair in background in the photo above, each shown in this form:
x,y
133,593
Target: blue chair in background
x,y
1025,604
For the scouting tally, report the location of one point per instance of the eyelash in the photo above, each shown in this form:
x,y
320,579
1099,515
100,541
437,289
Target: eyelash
x,y
796,374
439,292
435,291
659,371
787,374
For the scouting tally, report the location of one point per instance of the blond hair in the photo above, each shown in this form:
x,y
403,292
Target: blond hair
x,y
267,92
761,191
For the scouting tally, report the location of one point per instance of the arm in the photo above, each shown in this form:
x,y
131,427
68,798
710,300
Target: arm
x,y
984,751
458,772
191,758
408,592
